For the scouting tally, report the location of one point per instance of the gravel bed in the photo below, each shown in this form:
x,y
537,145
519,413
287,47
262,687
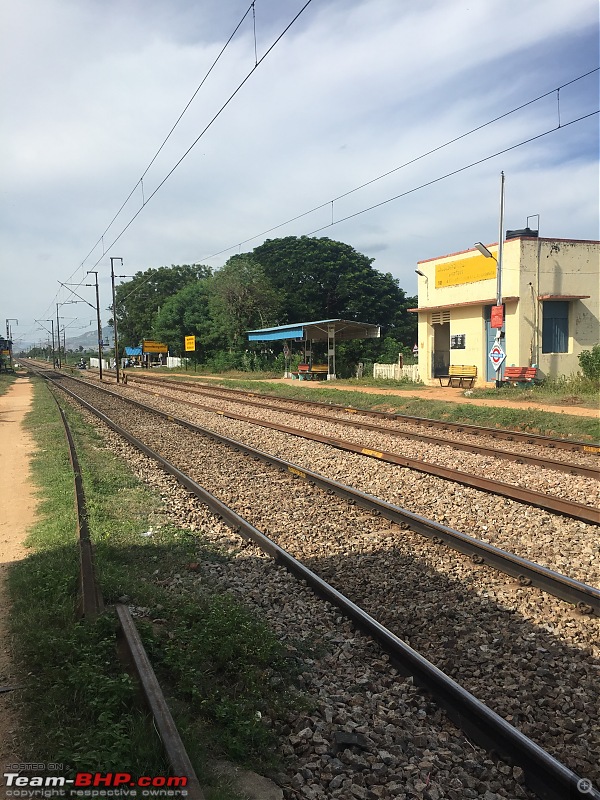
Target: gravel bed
x,y
566,456
576,488
565,545
407,747
529,656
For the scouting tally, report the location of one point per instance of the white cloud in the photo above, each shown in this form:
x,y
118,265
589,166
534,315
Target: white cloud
x,y
354,89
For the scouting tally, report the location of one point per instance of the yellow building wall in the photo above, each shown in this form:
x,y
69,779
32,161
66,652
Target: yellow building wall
x,y
560,267
530,268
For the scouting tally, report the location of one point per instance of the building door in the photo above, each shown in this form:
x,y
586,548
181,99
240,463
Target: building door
x,y
441,342
490,338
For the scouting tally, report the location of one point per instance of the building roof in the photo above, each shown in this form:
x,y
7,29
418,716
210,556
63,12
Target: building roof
x,y
507,241
133,351
489,302
316,331
563,296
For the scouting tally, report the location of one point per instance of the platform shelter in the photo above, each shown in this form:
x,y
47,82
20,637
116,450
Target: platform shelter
x,y
324,330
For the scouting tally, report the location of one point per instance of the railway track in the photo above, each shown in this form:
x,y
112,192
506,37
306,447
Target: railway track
x,y
587,598
366,557
432,424
552,502
91,606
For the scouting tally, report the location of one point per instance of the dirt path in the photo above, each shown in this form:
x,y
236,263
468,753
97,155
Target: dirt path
x,y
18,515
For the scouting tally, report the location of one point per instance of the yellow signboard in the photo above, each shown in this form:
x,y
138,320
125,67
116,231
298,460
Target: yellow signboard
x,y
465,270
190,343
148,346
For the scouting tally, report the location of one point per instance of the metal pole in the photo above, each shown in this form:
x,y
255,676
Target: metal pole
x,y
58,334
112,278
499,271
95,274
51,321
500,246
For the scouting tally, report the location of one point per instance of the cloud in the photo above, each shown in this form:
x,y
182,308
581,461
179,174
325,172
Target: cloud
x,y
354,89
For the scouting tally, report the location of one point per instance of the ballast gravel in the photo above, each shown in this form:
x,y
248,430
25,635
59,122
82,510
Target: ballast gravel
x,y
565,545
369,733
528,656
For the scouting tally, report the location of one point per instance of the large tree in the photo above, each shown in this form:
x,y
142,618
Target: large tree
x,y
242,298
139,300
324,279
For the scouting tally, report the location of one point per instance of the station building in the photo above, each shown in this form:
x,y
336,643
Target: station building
x,y
550,292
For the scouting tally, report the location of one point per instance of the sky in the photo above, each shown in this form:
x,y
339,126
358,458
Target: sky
x,y
354,89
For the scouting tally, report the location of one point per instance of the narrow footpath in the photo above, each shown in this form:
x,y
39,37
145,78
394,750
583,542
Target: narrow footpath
x,y
17,517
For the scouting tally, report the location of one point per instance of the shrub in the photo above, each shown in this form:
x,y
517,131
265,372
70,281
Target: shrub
x,y
589,361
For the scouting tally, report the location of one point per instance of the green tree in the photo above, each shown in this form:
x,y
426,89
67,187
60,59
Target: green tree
x,y
140,300
241,298
324,279
187,314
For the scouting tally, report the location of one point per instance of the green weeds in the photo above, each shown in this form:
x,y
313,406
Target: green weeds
x,y
223,668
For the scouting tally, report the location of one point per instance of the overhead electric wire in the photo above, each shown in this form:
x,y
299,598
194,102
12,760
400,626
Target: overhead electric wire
x,y
214,118
428,183
454,172
176,123
353,190
145,201
406,164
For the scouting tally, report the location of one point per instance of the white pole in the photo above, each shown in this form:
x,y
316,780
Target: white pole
x,y
499,271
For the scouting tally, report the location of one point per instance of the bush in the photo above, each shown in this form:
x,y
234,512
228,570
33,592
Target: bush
x,y
589,361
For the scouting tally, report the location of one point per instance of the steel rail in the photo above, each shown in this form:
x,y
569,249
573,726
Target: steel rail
x,y
458,427
167,730
547,502
544,774
92,606
506,455
586,597
91,603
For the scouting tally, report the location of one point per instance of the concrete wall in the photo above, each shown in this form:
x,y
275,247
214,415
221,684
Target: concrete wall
x,y
395,372
560,267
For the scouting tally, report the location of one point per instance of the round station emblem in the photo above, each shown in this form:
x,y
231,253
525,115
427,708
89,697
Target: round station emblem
x,y
497,355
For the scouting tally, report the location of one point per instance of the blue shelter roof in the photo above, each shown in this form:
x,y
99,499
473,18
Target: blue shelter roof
x,y
317,331
133,351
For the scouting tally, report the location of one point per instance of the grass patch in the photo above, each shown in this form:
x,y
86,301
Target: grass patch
x,y
576,390
224,670
6,381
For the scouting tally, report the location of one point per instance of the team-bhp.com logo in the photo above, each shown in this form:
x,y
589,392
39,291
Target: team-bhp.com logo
x,y
98,785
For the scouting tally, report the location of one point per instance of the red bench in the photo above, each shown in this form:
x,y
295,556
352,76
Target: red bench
x,y
307,373
520,375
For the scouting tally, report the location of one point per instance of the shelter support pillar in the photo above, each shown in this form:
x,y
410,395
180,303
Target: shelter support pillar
x,y
331,352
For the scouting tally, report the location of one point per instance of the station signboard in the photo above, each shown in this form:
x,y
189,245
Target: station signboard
x,y
150,346
190,343
497,356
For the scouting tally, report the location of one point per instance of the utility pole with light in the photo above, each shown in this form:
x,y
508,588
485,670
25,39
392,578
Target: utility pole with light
x,y
422,275
9,336
9,328
51,321
112,279
485,252
57,336
100,340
